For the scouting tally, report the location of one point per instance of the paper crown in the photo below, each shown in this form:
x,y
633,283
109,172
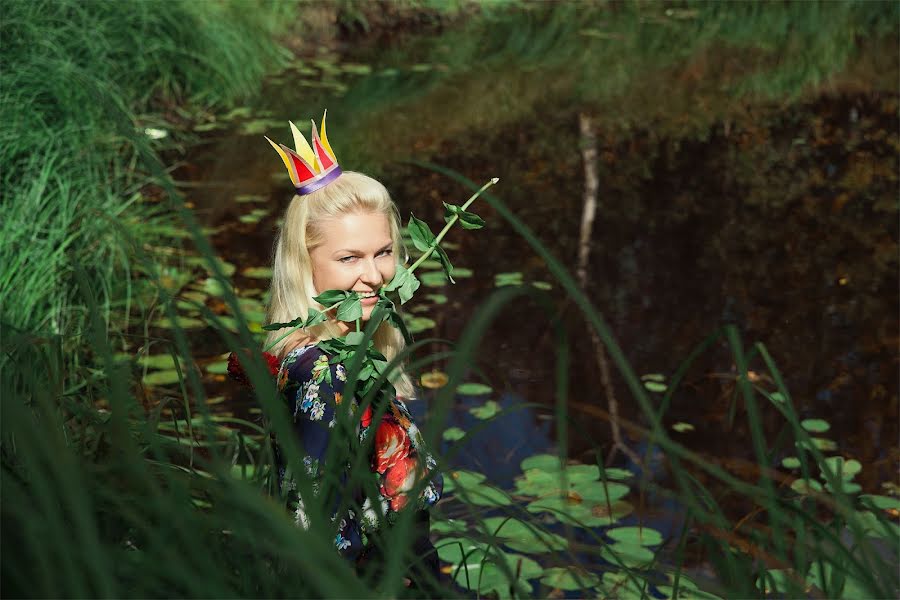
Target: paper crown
x,y
313,167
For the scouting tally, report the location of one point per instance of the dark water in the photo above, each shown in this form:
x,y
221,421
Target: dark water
x,y
780,216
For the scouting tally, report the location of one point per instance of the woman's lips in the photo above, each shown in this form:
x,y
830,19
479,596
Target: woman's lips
x,y
370,301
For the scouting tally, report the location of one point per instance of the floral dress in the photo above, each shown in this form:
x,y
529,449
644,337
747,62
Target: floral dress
x,y
313,389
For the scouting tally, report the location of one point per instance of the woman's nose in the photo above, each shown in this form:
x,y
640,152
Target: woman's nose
x,y
371,275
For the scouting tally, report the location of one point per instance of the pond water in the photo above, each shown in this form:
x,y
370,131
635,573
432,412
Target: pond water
x,y
778,214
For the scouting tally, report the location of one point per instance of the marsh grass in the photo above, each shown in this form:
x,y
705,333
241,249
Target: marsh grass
x,y
79,83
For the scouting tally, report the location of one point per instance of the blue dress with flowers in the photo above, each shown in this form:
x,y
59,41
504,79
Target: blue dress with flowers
x,y
314,391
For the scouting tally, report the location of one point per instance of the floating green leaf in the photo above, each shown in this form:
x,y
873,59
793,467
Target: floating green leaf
x,y
453,434
490,409
655,386
218,367
243,198
258,272
462,478
433,279
642,536
630,555
182,323
569,578
815,425
166,377
473,389
419,324
542,285
790,462
504,279
157,361
682,427
804,486
523,537
436,298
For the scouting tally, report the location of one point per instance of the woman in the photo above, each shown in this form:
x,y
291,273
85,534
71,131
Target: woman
x,y
341,232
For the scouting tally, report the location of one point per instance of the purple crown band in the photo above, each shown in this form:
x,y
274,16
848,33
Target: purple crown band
x,y
319,183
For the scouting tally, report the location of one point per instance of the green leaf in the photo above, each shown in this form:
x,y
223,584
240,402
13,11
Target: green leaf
x,y
655,386
487,411
803,486
815,425
462,478
881,502
473,389
681,427
569,578
257,272
354,338
453,434
157,361
520,536
419,324
628,554
404,283
445,262
642,536
218,367
467,219
437,298
542,285
167,377
331,297
420,234
790,462
434,279
314,317
349,310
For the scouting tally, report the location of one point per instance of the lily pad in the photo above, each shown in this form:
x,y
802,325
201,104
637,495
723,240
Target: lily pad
x,y
569,578
655,386
630,555
433,379
452,434
461,273
790,462
462,478
642,536
542,285
218,368
490,409
436,298
419,324
495,579
485,495
543,462
182,323
433,278
166,377
258,272
620,474
815,425
244,198
504,279
804,486
681,427
157,361
845,469
520,536
449,526
881,502
254,216
473,389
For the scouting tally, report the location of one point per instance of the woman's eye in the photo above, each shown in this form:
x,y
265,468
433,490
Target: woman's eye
x,y
387,252
347,259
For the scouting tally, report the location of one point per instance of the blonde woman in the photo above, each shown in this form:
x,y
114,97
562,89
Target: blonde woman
x,y
342,232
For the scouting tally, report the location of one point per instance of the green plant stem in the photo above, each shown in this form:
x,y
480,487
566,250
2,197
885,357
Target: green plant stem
x,y
450,223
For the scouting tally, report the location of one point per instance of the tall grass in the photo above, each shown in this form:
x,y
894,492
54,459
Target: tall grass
x,y
79,83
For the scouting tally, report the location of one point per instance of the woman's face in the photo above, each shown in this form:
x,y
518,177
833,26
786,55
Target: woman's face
x,y
356,255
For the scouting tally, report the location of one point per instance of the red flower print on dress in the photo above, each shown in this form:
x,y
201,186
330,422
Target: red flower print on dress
x,y
399,479
366,418
236,369
391,445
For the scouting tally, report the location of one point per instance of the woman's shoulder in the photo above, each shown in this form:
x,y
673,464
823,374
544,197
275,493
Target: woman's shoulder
x,y
309,363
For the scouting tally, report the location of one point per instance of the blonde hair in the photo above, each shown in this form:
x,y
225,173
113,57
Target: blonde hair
x,y
292,289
